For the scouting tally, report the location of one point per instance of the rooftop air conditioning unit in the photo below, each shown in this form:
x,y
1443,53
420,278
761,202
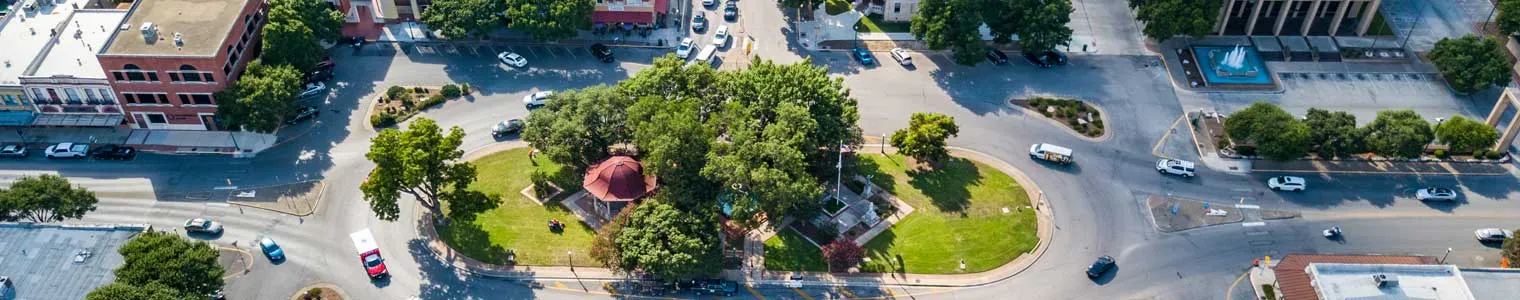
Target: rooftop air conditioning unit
x,y
149,32
1384,280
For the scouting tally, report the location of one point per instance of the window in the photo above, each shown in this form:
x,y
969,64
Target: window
x,y
206,76
133,73
201,99
145,98
9,100
184,99
37,93
173,77
152,76
73,95
897,7
106,96
90,96
157,118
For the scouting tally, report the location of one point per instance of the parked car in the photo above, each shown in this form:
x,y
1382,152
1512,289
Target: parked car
x,y
721,37
67,150
512,59
318,76
313,89
1436,194
996,56
537,99
684,49
271,249
113,152
507,127
203,225
1045,59
1102,265
1175,167
708,3
864,56
326,64
902,56
731,11
1286,183
602,52
699,22
1494,234
12,150
304,113
716,287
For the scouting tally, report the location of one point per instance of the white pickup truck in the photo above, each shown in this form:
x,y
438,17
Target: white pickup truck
x,y
1052,153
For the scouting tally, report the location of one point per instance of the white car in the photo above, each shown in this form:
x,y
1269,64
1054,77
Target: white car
x,y
1435,194
709,2
537,99
12,150
1494,234
1175,167
721,38
312,89
512,59
684,50
1286,183
67,150
902,56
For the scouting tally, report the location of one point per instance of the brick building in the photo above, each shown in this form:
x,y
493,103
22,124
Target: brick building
x,y
171,55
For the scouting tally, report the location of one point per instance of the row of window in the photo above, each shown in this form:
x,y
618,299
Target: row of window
x,y
162,98
71,95
186,73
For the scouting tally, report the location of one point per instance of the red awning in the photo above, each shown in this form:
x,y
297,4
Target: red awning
x,y
642,17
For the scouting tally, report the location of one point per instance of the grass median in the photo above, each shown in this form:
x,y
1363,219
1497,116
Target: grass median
x,y
520,224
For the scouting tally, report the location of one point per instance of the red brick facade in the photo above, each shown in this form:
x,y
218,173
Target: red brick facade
x,y
174,91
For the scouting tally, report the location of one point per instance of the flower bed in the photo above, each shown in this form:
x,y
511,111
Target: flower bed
x,y
401,103
1077,115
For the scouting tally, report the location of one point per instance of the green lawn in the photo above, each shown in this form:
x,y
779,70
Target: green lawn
x,y
836,7
958,215
519,223
789,251
873,23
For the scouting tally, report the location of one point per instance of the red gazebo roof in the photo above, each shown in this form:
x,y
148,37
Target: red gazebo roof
x,y
618,179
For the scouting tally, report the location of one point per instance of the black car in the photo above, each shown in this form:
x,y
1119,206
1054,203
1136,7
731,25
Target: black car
x,y
716,287
319,76
1045,59
699,22
1101,266
507,127
996,56
602,52
306,112
731,11
113,152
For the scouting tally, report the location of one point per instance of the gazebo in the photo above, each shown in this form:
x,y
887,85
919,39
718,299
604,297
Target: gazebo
x,y
615,182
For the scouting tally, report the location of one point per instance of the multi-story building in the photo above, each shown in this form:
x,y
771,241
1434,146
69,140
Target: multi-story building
x,y
893,10
631,12
48,74
1296,17
172,55
365,18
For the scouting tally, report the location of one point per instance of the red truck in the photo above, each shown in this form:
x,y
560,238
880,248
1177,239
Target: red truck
x,y
369,254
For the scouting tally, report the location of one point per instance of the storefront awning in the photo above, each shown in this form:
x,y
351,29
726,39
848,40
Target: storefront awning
x,y
91,120
16,118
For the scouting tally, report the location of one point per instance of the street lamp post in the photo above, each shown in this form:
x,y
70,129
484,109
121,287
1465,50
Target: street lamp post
x,y
570,255
1443,256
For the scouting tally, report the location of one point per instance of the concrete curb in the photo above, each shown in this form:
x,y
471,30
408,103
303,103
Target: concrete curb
x,y
321,193
302,291
246,268
1102,116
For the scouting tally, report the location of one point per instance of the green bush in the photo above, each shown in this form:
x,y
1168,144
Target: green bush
x,y
1037,102
1097,123
1495,154
419,90
540,180
382,120
431,101
449,91
1441,153
1081,108
464,87
1073,122
1480,153
1095,131
1245,150
395,92
1068,112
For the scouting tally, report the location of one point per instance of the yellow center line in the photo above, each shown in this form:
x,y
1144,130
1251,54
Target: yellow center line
x,y
752,291
1231,291
611,289
846,292
1155,150
804,294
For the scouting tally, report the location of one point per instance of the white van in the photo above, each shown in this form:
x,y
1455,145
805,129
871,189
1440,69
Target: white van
x,y
1053,153
706,55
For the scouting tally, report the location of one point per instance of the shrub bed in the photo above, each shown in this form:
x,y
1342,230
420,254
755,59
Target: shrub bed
x,y
1075,114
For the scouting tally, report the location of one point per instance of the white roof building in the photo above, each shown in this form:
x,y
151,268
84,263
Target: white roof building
x,y
1333,281
50,57
27,31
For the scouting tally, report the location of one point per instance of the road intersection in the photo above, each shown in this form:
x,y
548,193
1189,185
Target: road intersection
x,y
1098,202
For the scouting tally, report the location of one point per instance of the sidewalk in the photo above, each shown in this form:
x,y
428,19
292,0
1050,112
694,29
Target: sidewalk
x,y
753,272
162,141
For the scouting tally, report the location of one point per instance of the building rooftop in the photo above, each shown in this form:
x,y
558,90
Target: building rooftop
x,y
80,39
25,32
48,261
1492,283
1294,281
1335,281
202,24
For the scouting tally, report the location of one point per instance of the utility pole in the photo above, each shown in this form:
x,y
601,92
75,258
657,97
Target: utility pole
x,y
839,171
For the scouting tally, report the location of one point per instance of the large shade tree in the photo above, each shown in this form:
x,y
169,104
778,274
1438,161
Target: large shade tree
x,y
1471,63
294,30
45,198
260,100
673,144
1334,133
1465,135
1277,134
123,291
1165,19
951,24
1044,27
464,19
1399,133
670,243
577,128
924,139
424,163
549,20
168,259
1509,16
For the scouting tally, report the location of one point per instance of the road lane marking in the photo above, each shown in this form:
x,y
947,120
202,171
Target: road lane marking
x,y
752,291
1253,224
1155,150
611,289
1231,291
558,285
846,292
804,294
1250,206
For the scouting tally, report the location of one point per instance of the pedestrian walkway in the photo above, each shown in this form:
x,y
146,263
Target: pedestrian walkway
x,y
163,141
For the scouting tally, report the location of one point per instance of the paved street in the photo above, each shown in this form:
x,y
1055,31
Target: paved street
x,y
1098,202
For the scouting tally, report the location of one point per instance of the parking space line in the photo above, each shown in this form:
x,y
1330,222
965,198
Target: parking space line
x,y
804,294
530,50
572,51
551,52
752,291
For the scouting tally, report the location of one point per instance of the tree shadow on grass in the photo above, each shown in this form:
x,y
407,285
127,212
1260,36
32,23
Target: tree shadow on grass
x,y
882,260
869,168
796,254
472,241
948,186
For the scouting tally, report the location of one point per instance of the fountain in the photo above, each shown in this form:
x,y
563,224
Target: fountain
x,y
1231,66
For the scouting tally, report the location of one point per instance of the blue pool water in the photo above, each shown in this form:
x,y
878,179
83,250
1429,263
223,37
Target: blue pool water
x,y
1207,55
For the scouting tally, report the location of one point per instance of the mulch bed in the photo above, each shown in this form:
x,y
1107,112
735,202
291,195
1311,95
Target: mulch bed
x,y
1075,114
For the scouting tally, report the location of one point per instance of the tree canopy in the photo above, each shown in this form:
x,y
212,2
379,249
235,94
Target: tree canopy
x,y
670,243
925,136
1277,134
549,20
45,198
464,19
1471,63
1334,133
842,254
1165,19
1044,26
1509,16
260,100
673,145
576,128
1465,135
122,291
158,258
1399,133
294,30
423,163
951,24
1510,250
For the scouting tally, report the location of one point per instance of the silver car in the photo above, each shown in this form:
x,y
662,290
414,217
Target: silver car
x,y
1493,234
1435,194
